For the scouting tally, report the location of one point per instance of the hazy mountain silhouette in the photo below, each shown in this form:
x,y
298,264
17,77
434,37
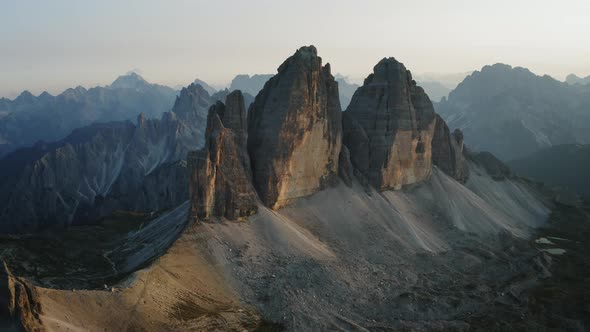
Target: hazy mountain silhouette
x,y
512,112
249,84
210,90
28,119
574,79
435,90
104,167
346,90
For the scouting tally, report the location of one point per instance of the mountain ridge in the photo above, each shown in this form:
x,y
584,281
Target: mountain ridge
x,y
29,119
511,112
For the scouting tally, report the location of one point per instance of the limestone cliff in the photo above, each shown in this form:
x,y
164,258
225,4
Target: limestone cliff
x,y
19,303
295,130
389,127
220,177
447,151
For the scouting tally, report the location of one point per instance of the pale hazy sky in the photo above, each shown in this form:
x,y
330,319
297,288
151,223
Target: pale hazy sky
x,y
52,45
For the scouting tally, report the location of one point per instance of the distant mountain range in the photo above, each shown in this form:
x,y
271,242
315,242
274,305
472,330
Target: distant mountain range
x,y
104,167
574,79
435,90
345,89
28,119
249,84
449,80
512,112
566,166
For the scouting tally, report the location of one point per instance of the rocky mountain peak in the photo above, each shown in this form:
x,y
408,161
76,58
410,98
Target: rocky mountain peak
x,y
295,119
45,96
130,80
294,138
25,96
220,176
388,71
191,101
235,116
389,126
306,56
575,79
205,86
76,93
512,112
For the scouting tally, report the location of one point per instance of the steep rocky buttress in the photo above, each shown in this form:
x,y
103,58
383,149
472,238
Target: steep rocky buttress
x,y
447,151
220,176
294,136
295,130
388,128
19,303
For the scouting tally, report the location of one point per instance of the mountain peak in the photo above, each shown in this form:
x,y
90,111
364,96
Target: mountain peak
x,y
310,51
297,113
191,101
210,90
306,56
575,79
25,96
388,128
497,66
130,80
386,69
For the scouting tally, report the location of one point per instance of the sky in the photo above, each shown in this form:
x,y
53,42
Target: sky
x,y
53,45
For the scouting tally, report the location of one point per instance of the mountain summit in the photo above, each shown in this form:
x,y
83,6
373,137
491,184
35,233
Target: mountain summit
x,y
131,80
512,112
295,118
389,126
28,119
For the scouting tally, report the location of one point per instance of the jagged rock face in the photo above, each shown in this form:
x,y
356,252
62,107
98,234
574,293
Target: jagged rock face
x,y
345,169
220,179
236,117
389,126
102,168
295,130
447,151
19,303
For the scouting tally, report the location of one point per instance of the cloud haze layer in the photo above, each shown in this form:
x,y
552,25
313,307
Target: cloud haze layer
x,y
52,45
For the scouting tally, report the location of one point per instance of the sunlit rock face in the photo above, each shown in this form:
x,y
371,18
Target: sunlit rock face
x,y
20,308
295,130
389,126
220,177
